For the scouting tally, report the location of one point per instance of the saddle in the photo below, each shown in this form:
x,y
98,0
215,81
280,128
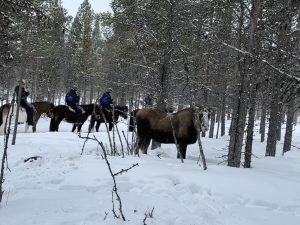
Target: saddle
x,y
72,110
104,109
23,109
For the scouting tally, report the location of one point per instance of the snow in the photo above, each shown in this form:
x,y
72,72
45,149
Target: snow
x,y
63,187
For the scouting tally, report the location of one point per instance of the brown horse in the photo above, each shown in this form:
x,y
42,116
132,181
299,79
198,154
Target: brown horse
x,y
156,125
62,112
38,109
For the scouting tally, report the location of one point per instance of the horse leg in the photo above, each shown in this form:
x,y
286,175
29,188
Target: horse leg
x,y
35,123
26,127
182,150
92,123
74,127
34,128
57,122
52,125
98,125
79,128
110,124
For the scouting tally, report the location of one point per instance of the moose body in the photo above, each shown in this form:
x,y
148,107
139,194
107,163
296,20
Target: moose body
x,y
162,127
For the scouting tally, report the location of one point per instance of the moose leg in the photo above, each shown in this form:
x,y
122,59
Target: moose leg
x,y
145,144
182,150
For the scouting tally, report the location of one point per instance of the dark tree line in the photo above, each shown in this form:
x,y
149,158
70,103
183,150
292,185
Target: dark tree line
x,y
238,57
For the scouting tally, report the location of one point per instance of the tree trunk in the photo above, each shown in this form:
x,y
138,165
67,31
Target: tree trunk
x,y
223,115
289,127
273,121
240,109
250,128
212,124
263,116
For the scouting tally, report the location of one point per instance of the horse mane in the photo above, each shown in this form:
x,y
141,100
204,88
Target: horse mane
x,y
122,107
44,102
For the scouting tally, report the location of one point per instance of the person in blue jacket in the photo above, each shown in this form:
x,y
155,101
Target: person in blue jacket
x,y
72,100
106,101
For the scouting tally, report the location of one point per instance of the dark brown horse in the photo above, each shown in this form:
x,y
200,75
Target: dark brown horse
x,y
156,125
62,112
39,109
98,117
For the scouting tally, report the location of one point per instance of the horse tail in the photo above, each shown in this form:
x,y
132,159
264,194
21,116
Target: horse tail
x,y
132,120
1,115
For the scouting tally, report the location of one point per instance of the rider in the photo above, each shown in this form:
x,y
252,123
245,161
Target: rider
x,y
24,93
106,100
148,103
72,100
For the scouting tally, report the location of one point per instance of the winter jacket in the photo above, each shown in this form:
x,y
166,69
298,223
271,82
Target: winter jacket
x,y
72,97
24,93
106,100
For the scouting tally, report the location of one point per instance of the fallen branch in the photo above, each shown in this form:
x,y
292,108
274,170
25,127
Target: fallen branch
x,y
126,170
148,215
32,158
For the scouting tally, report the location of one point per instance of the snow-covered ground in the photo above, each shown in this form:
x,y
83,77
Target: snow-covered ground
x,y
66,188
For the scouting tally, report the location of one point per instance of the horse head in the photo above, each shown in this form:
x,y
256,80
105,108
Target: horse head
x,y
50,112
121,111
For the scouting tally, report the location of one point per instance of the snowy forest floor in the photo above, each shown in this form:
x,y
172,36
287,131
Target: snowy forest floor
x,y
63,187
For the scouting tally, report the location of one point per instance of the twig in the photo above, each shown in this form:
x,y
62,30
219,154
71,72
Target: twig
x,y
197,126
159,154
126,170
175,139
105,216
115,189
32,158
128,148
122,148
6,138
148,215
295,146
107,130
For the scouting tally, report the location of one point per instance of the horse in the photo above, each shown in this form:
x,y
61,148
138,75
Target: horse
x,y
39,109
62,112
98,117
157,125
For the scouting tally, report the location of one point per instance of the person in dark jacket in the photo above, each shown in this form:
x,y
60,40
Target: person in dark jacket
x,y
24,104
72,100
106,100
148,103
